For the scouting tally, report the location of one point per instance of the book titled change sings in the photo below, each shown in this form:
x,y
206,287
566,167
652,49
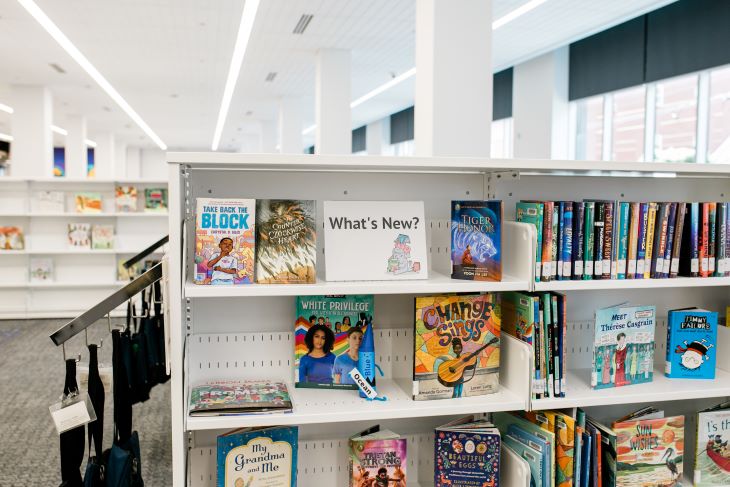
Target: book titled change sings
x,y
476,240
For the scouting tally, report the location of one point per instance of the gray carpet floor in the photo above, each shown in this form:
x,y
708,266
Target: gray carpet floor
x,y
31,379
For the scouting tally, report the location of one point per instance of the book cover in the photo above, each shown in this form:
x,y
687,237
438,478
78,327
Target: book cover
x,y
547,239
703,239
649,452
650,231
579,208
660,240
633,240
102,236
12,238
555,242
561,237
677,245
622,240
712,455
49,202
375,240
589,247
125,199
623,347
689,264
467,454
712,237
258,457
456,346
609,232
727,238
691,344
642,240
566,239
518,316
41,269
224,241
378,458
328,332
155,199
671,228
79,235
225,397
599,222
476,240
721,240
532,455
527,433
88,202
286,241
533,213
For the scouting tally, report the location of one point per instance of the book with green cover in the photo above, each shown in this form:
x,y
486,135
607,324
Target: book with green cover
x,y
532,213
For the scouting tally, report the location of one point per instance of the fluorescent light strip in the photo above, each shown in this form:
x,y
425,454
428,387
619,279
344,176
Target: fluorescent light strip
x,y
244,34
309,129
5,108
90,142
519,11
77,56
384,87
59,130
6,137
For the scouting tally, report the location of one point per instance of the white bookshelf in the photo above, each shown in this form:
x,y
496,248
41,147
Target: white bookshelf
x,y
246,331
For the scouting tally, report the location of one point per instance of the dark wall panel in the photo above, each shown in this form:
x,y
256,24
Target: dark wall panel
x,y
401,126
502,94
359,139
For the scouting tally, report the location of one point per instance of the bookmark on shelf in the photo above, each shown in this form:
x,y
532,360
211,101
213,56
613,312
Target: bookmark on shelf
x,y
365,387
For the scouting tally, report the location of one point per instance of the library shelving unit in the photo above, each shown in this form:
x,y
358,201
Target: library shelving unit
x,y
81,277
246,331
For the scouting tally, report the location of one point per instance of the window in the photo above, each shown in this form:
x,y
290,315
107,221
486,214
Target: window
x,y
627,125
501,145
404,148
675,138
718,149
589,129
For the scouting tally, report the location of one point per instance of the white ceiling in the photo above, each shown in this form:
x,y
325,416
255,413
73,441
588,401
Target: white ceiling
x,y
169,58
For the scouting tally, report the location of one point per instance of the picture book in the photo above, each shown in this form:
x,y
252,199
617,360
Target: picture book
x,y
377,458
328,334
102,236
532,213
516,430
712,455
226,397
88,203
258,457
224,241
12,238
48,202
476,240
623,347
155,199
518,316
375,240
456,345
286,241
563,427
691,344
649,452
79,235
532,455
607,452
41,269
467,453
125,199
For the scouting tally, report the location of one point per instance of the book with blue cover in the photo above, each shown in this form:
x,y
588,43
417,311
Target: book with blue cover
x,y
476,240
252,457
466,453
691,344
623,347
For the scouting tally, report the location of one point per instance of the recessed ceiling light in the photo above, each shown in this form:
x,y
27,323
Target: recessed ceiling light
x,y
57,68
244,34
90,69
270,77
106,108
303,23
5,108
518,12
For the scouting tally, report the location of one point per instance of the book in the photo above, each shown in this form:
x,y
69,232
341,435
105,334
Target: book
x,y
125,199
224,241
608,237
660,240
375,240
231,397
677,245
79,235
286,241
721,250
155,199
589,247
467,453
41,269
689,264
533,213
476,240
623,347
633,240
49,202
555,242
378,458
703,239
456,345
328,332
599,222
650,231
566,239
579,208
250,457
712,237
547,240
671,229
516,430
88,202
12,238
102,236
712,457
518,316
623,214
642,240
691,344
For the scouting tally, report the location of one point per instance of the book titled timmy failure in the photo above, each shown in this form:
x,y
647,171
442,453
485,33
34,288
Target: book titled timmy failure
x,y
476,240
691,341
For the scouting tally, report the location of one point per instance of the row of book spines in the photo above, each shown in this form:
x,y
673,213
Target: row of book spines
x,y
549,322
621,240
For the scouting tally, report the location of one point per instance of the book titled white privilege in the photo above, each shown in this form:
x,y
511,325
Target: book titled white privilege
x,y
375,240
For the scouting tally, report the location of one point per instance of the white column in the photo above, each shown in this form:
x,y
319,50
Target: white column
x,y
134,163
453,102
268,136
540,108
32,147
332,102
153,164
76,155
120,159
290,126
376,137
104,156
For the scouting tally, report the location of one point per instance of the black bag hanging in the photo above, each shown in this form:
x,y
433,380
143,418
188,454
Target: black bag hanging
x,y
158,325
71,441
94,475
134,353
148,335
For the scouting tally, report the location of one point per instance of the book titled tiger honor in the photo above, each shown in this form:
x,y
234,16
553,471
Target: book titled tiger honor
x,y
476,240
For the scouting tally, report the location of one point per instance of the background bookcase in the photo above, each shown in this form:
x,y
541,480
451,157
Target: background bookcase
x,y
246,331
81,277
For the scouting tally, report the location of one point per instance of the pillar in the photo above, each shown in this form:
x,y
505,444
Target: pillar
x,y
377,136
332,102
76,149
32,147
290,126
120,159
134,163
268,136
105,156
453,102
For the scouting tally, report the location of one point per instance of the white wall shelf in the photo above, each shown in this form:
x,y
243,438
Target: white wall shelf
x,y
627,284
137,214
82,181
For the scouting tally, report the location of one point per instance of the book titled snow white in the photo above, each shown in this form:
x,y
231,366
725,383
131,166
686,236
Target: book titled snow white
x,y
225,241
286,241
375,240
691,344
258,457
476,240
623,347
225,397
